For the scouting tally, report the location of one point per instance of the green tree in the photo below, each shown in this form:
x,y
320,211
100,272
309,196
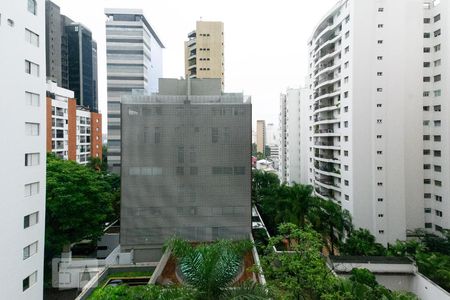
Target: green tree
x,y
143,292
211,268
79,202
362,243
328,218
295,203
300,273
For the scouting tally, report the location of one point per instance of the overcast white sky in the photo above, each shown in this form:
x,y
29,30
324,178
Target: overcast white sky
x,y
265,41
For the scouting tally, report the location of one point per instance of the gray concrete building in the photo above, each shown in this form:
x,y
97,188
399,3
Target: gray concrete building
x,y
134,63
186,166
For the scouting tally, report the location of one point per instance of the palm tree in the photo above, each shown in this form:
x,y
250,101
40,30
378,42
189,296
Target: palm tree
x,y
211,269
296,200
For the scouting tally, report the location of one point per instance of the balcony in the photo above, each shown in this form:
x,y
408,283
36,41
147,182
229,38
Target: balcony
x,y
325,120
328,184
327,159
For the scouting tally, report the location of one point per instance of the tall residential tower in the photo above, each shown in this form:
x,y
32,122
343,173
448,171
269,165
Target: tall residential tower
x,y
204,51
134,65
23,156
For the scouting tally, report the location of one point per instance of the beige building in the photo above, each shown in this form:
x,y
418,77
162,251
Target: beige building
x,y
204,51
260,135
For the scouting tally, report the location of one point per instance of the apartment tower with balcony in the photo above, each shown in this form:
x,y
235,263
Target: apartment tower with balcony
x,y
204,51
22,205
134,65
365,104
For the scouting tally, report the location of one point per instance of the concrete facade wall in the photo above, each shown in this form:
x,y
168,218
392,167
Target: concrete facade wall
x,y
186,171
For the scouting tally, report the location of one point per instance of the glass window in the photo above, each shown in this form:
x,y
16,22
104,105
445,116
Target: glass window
x,y
32,6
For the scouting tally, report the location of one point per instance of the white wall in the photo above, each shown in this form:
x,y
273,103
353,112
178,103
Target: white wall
x,y
13,173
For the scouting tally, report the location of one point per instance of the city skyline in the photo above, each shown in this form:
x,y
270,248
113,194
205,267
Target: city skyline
x,y
245,63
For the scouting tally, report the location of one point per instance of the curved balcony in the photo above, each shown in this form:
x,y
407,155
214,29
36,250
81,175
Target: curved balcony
x,y
327,169
327,120
331,66
327,56
328,184
324,195
327,159
328,81
327,94
325,108
332,39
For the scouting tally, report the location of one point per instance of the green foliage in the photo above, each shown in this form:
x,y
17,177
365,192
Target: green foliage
x,y
246,291
362,243
267,151
301,273
79,202
363,276
144,292
211,268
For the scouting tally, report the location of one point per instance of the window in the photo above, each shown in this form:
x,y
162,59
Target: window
x,y
437,123
426,152
438,213
379,57
426,137
438,228
426,49
437,93
427,196
426,93
379,121
31,189
426,122
427,210
426,166
438,183
437,18
426,35
426,20
437,153
438,198
437,168
380,199
347,34
31,68
214,135
426,108
347,49
345,94
379,105
346,167
381,231
379,136
437,78
346,182
437,63
31,159
347,197
437,108
31,37
428,225
32,99
346,124
346,65
29,281
380,215
180,170
380,41
379,90
427,181
346,79
437,33
380,9
346,138
346,109
379,152
30,250
380,25
32,129
437,48
10,23
426,79
379,73
345,153
437,138
379,183
30,220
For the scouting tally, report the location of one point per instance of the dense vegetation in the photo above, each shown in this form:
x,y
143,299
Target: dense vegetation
x,y
278,203
302,272
80,201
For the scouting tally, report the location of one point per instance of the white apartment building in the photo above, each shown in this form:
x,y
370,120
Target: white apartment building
x,y
367,106
22,157
294,135
436,109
